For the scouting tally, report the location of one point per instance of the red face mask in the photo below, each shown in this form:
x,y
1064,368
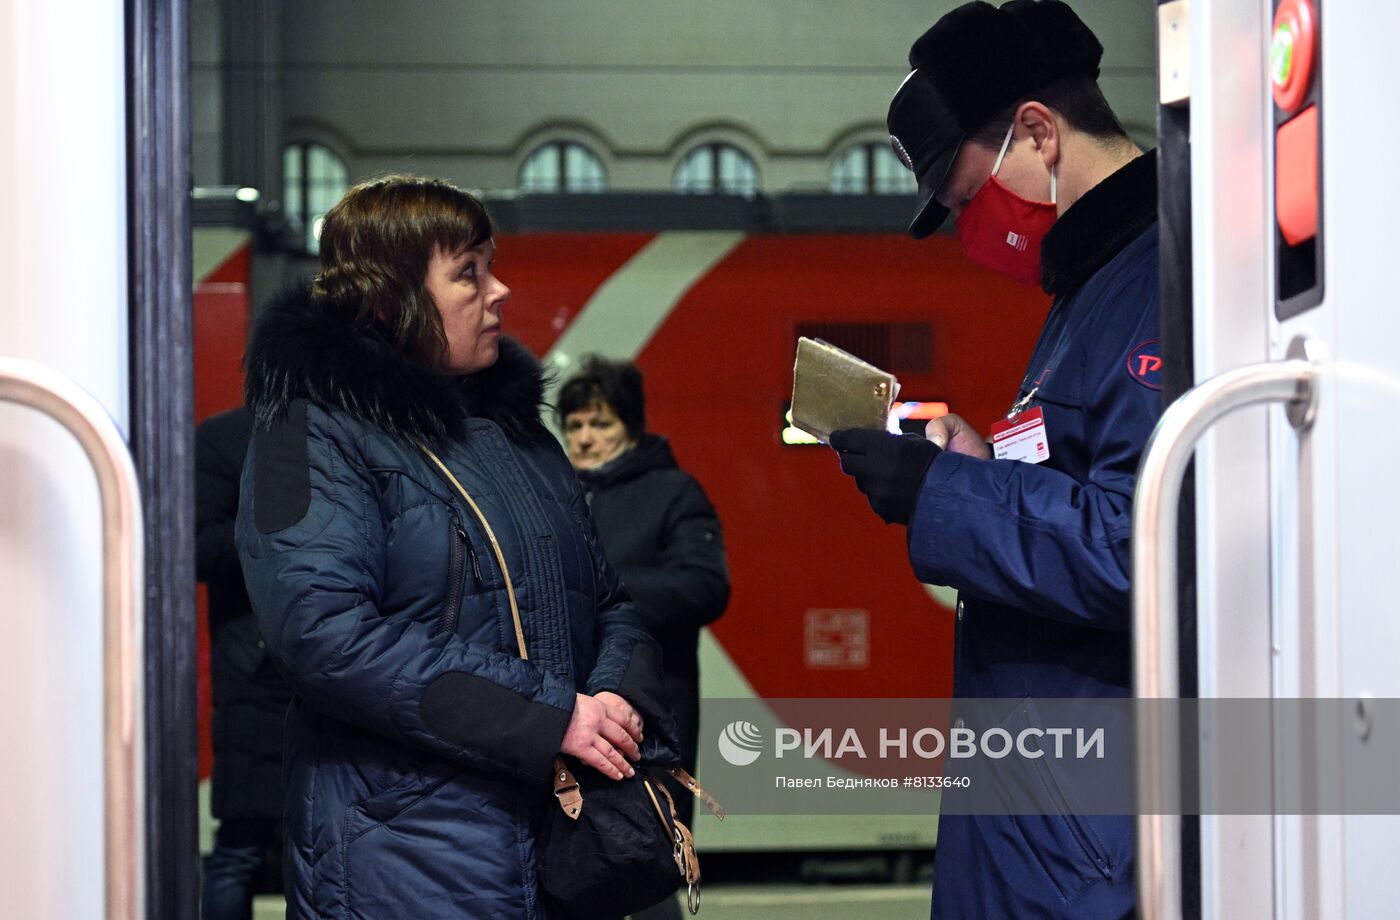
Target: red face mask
x,y
1002,231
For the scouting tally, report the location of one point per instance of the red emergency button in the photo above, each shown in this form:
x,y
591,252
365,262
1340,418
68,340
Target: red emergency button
x,y
1295,178
1291,53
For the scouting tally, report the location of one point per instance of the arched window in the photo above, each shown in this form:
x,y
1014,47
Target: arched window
x,y
870,169
313,180
717,168
563,166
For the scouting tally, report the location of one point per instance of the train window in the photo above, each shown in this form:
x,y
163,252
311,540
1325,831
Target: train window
x,y
313,180
870,169
717,168
900,348
563,166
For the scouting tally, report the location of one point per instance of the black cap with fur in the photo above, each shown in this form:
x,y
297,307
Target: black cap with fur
x,y
971,65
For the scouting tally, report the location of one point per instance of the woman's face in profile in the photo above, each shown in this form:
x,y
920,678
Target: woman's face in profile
x,y
594,436
469,297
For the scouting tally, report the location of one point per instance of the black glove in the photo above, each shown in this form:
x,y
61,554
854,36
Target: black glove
x,y
888,468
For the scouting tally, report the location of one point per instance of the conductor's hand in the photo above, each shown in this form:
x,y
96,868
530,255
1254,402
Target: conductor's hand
x,y
956,436
888,468
603,733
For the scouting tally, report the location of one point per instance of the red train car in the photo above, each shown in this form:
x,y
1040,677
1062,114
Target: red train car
x,y
823,601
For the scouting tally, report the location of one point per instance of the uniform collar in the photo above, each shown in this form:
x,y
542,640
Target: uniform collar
x,y
1096,228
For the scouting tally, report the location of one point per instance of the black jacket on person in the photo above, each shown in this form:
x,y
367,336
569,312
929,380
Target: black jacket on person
x,y
663,537
250,697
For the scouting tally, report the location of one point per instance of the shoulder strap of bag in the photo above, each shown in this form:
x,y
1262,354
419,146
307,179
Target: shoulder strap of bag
x,y
566,787
683,846
680,775
491,536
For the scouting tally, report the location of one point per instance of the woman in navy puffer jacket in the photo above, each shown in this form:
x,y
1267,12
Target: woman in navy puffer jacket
x,y
420,744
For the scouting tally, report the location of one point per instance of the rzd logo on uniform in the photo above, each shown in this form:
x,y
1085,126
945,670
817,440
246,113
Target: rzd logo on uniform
x,y
740,743
1145,364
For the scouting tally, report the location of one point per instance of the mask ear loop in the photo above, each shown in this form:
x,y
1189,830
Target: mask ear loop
x,y
1001,155
1005,144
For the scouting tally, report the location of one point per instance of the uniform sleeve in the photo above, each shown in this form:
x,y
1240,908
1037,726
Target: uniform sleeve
x,y
690,587
1036,538
312,544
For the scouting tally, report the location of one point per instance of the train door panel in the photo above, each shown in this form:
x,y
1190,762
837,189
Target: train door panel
x,y
1292,522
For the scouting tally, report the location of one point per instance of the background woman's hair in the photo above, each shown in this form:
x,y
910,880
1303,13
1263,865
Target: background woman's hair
x,y
616,384
375,247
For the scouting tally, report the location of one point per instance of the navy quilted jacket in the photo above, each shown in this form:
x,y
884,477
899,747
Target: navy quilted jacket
x,y
419,744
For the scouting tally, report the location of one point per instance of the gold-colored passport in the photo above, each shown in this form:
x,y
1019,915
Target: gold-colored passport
x,y
833,389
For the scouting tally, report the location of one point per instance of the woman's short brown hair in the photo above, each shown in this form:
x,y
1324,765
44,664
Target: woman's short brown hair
x,y
375,247
616,385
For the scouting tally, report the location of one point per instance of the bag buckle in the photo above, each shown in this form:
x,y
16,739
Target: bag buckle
x,y
566,790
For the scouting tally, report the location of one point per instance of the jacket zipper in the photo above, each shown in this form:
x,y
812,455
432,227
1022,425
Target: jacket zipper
x,y
495,547
454,583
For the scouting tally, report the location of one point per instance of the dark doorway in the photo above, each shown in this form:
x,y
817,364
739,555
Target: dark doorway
x,y
162,435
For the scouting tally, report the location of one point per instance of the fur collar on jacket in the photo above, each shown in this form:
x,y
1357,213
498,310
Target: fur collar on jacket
x,y
298,350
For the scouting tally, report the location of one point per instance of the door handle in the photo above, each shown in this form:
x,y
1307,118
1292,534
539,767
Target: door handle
x,y
123,549
1156,657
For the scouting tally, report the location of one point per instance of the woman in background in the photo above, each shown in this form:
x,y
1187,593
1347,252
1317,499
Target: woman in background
x,y
659,531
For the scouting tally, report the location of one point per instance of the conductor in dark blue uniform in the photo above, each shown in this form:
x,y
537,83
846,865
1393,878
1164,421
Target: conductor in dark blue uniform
x,y
1003,123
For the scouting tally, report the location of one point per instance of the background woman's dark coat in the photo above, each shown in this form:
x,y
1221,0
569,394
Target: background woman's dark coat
x,y
250,697
662,535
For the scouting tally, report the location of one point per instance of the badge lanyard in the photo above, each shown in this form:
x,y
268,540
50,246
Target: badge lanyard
x,y
1021,434
1056,352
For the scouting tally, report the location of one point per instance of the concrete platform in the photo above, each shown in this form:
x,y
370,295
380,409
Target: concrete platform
x,y
772,902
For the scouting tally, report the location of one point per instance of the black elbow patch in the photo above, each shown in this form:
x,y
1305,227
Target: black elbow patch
x,y
281,474
474,713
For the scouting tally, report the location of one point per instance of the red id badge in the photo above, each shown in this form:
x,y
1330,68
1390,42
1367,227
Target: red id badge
x,y
1021,437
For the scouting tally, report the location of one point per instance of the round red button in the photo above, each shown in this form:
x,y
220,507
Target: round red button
x,y
1291,53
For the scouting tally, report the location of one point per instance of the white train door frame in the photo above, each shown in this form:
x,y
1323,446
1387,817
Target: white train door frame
x,y
89,117
1336,629
1231,295
1291,526
94,253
